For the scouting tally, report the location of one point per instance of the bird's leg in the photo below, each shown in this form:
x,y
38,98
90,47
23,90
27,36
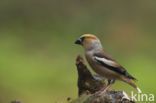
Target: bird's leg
x,y
110,82
105,88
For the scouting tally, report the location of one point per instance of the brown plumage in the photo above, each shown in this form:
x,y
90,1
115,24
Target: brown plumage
x,y
101,62
117,67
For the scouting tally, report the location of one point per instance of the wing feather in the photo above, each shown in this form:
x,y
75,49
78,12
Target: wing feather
x,y
108,62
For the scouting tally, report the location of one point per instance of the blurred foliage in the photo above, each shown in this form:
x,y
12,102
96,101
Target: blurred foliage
x,y
38,53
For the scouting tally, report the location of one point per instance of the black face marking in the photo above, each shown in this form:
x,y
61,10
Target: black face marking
x,y
80,40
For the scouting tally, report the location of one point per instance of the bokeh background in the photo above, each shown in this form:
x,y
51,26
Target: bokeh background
x,y
37,50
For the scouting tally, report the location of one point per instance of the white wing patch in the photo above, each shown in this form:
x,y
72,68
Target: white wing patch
x,y
106,61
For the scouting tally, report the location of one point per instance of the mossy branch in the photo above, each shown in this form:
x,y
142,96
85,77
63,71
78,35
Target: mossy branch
x,y
89,84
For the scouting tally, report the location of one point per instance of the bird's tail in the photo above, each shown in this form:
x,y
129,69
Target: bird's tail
x,y
129,81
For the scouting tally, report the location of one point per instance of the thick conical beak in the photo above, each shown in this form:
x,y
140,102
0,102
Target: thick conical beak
x,y
79,41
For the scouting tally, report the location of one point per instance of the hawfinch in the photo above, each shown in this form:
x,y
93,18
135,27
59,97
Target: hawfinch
x,y
102,63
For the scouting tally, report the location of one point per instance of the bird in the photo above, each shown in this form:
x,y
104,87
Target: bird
x,y
103,63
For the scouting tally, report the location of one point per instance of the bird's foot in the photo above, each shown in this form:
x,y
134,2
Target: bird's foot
x,y
102,91
105,89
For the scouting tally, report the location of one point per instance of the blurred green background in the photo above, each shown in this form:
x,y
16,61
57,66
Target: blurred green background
x,y
37,50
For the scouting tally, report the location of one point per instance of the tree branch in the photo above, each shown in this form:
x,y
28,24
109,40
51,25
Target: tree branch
x,y
88,84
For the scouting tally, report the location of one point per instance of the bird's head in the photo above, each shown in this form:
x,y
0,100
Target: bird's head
x,y
88,41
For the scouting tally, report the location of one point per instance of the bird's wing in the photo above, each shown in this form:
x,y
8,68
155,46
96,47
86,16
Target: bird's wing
x,y
107,61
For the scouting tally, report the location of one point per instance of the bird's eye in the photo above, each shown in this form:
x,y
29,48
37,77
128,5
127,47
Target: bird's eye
x,y
82,39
